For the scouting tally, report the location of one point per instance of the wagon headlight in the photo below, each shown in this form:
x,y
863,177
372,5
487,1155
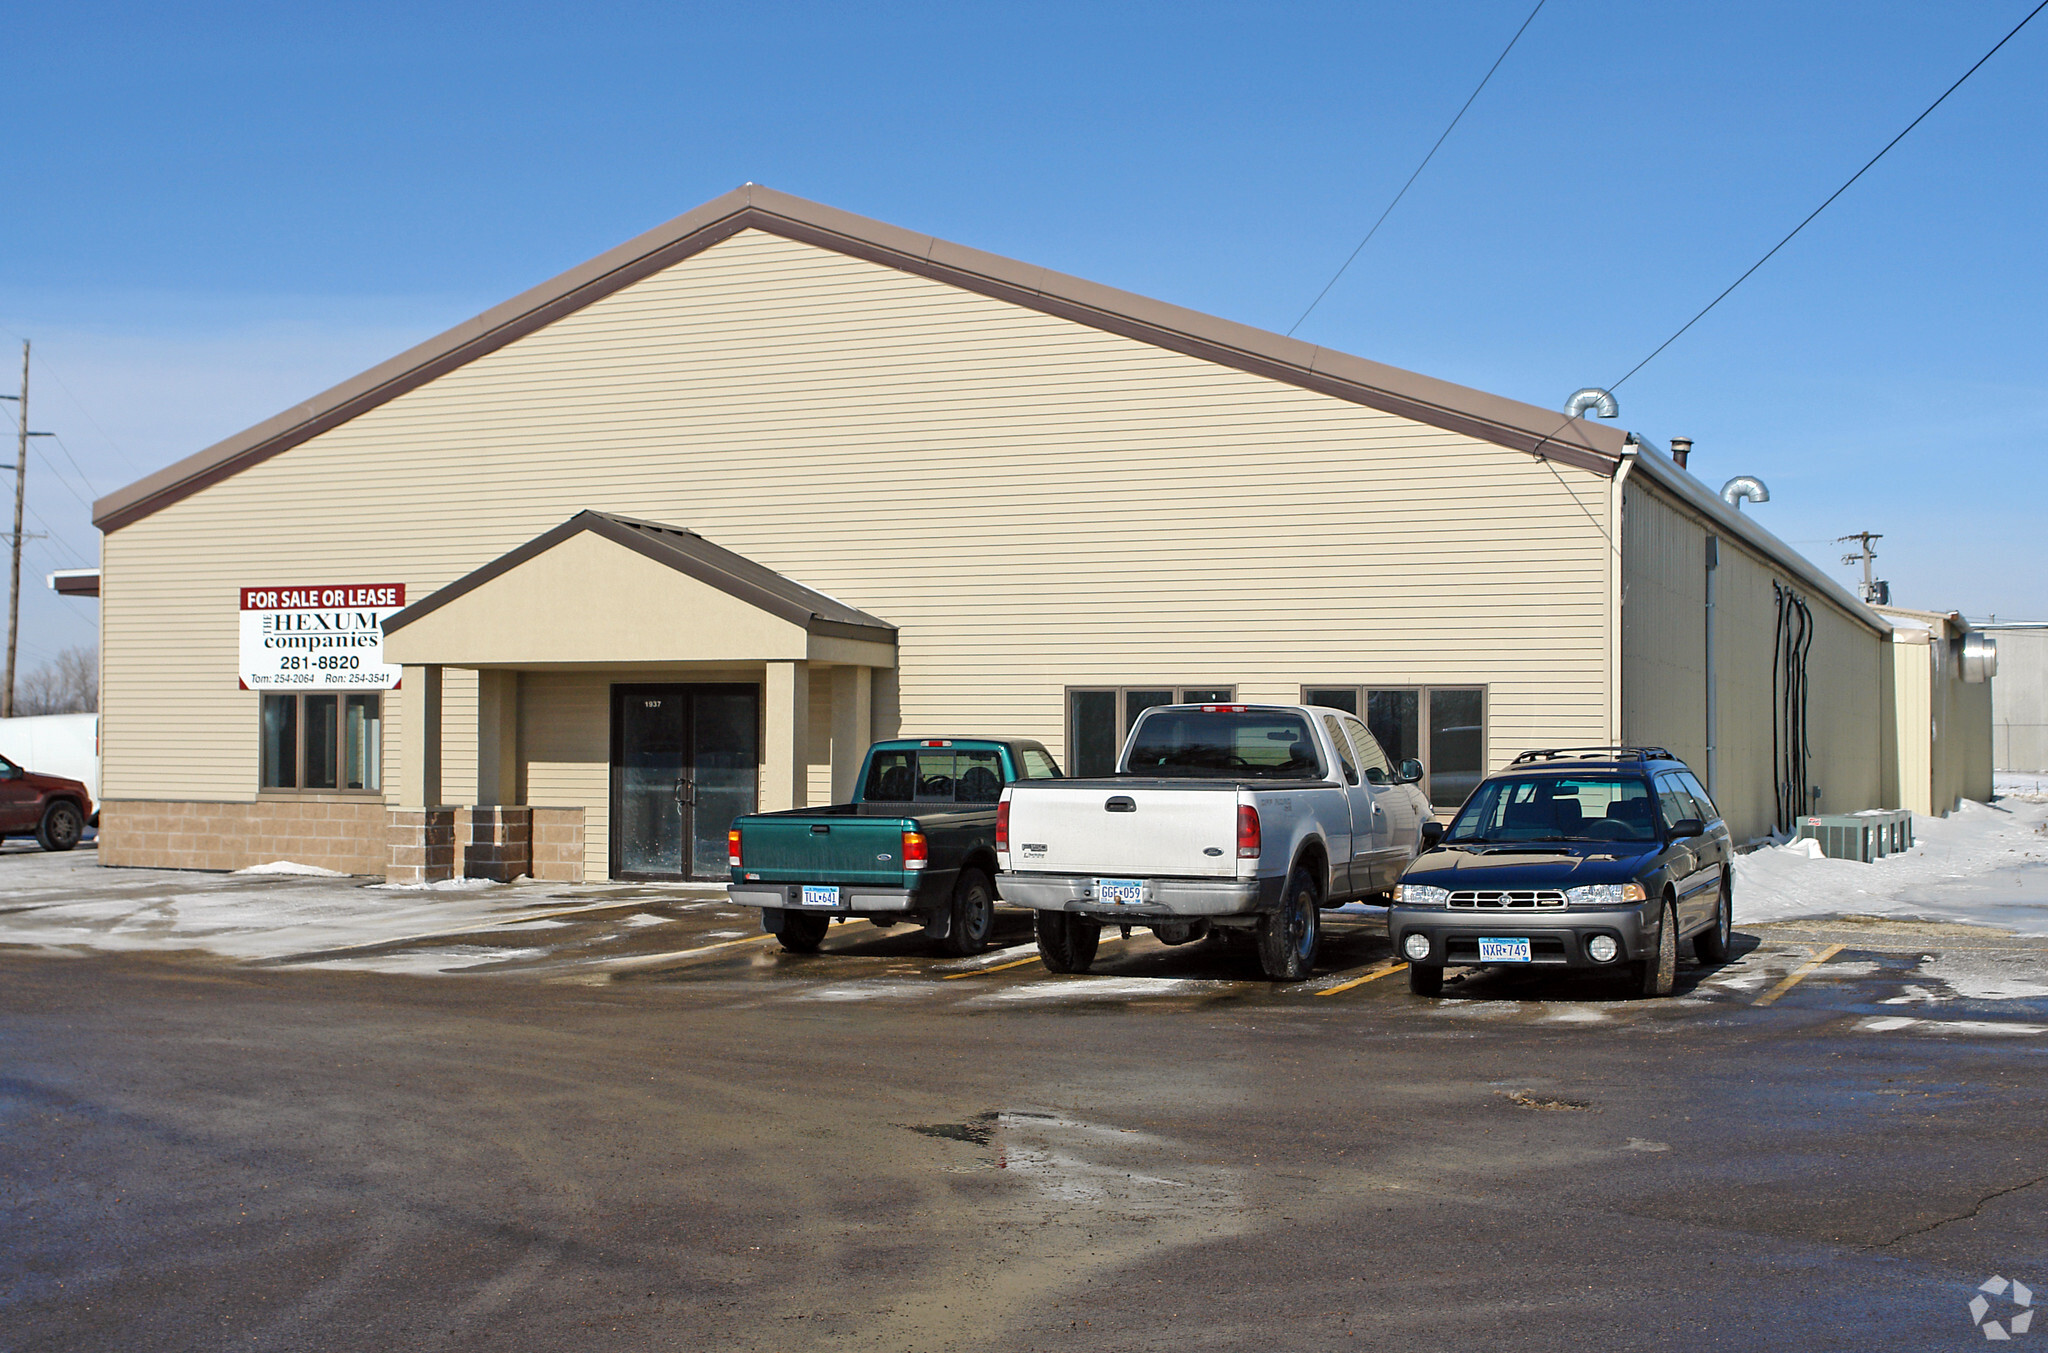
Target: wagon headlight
x,y
1421,895
1604,894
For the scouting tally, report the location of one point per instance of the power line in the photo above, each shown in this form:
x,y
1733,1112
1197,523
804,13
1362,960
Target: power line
x,y
1418,169
51,372
1835,194
1815,212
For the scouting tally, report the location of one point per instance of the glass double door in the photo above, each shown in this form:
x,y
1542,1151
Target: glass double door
x,y
685,763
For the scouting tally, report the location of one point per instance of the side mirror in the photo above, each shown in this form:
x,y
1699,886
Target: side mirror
x,y
1432,834
1411,772
1688,826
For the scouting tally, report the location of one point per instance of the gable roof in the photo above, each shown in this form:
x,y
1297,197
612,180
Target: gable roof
x,y
1458,408
688,553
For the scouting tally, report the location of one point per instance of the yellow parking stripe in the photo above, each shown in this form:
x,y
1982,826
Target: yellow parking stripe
x,y
1360,981
1015,963
1797,975
677,956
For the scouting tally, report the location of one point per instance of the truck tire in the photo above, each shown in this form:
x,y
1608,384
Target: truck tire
x,y
1066,943
974,915
802,932
61,827
1288,937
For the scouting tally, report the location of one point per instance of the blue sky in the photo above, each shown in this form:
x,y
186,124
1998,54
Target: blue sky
x,y
215,211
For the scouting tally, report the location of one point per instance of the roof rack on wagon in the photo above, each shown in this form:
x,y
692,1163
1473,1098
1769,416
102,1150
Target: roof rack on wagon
x,y
1594,754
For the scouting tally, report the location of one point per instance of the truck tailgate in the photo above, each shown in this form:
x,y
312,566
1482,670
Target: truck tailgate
x,y
1167,831
811,849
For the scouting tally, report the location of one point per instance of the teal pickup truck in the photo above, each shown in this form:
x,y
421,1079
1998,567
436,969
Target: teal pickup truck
x,y
918,843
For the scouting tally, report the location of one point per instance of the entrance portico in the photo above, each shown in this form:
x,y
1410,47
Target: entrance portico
x,y
637,688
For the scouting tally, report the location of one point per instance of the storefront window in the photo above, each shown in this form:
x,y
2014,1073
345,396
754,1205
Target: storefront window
x,y
362,743
1331,697
1457,743
280,742
320,742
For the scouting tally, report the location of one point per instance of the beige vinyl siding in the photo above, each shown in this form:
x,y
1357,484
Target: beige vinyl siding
x,y
1035,503
565,747
1664,677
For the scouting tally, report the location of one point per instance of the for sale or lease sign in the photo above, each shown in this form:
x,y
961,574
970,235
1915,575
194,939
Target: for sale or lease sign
x,y
326,638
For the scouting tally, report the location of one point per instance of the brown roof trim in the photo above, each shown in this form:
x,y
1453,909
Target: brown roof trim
x,y
75,582
687,553
1505,422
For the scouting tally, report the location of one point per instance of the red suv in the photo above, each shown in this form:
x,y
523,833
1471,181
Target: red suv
x,y
51,807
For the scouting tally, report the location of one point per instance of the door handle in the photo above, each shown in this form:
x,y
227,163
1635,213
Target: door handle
x,y
686,794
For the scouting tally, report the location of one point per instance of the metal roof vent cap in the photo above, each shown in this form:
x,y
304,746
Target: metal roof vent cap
x,y
1979,654
1594,398
1744,486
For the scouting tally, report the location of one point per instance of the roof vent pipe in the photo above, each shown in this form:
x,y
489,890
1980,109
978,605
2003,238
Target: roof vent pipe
x,y
1744,486
1594,398
1681,447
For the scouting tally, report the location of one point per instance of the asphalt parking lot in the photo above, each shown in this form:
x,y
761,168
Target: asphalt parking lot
x,y
631,1122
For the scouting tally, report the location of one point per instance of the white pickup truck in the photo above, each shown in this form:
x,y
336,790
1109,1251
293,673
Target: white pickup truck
x,y
1248,817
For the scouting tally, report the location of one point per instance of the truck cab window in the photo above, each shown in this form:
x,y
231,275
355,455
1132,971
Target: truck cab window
x,y
1378,770
1037,765
1343,751
980,778
892,778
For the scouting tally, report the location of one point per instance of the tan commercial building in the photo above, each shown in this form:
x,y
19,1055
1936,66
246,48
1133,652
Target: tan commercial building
x,y
677,533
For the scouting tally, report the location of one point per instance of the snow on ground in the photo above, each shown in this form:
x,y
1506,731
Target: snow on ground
x,y
2015,785
293,867
66,904
1982,864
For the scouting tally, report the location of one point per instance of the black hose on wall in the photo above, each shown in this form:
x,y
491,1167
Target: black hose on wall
x,y
1791,750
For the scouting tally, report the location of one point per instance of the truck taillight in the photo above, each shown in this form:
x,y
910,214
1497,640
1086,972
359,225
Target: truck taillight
x,y
732,847
915,851
1224,709
936,742
1247,832
1003,826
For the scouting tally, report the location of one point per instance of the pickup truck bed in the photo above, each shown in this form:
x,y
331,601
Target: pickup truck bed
x,y
1264,815
916,844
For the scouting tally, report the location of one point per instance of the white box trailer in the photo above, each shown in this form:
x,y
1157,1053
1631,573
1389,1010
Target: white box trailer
x,y
56,744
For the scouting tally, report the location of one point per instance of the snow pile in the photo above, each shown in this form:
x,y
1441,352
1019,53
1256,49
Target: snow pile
x,y
464,885
293,867
1981,865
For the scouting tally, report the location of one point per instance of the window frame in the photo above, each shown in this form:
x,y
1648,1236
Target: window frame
x,y
297,789
1423,691
1124,719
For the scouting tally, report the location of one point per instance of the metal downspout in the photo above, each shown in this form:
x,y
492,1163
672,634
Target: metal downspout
x,y
1713,701
1617,589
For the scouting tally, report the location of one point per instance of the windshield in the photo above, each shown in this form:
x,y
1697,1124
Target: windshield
x,y
1248,744
1557,808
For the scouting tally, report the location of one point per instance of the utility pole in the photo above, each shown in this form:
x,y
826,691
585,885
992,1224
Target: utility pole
x,y
20,468
1875,591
